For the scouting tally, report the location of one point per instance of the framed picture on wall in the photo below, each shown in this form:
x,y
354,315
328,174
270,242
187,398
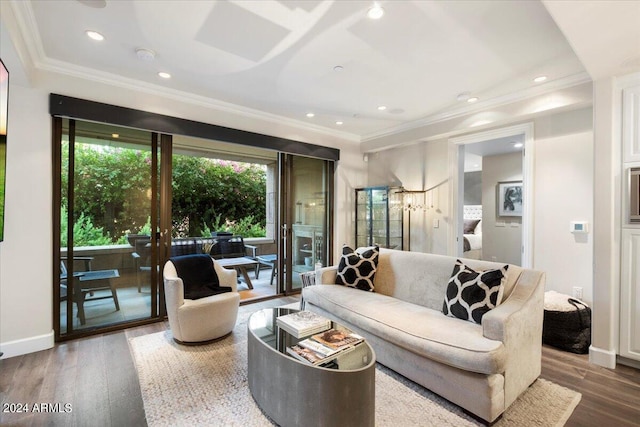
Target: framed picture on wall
x,y
509,198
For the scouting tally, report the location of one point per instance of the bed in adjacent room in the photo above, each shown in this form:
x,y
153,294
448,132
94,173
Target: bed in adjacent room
x,y
472,215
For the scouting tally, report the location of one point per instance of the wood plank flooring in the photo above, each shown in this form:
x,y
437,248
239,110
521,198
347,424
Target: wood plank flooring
x,y
97,377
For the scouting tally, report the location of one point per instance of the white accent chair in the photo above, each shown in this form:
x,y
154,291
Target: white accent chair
x,y
205,319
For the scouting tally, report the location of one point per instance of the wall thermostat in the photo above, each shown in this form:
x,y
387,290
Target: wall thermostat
x,y
579,227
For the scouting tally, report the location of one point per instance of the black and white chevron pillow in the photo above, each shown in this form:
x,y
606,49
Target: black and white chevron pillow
x,y
358,268
471,294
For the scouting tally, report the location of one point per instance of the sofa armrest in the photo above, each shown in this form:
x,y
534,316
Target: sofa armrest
x,y
326,275
517,323
497,323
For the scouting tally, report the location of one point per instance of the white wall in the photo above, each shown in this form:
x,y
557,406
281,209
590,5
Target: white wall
x,y
606,228
418,167
563,186
563,193
25,254
502,244
26,288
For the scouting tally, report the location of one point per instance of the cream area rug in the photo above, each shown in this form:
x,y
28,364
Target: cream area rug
x,y
207,386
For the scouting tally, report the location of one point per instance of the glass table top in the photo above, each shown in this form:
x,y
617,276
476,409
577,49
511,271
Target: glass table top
x,y
262,324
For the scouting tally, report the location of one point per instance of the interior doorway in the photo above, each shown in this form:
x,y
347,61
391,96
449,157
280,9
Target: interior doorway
x,y
492,195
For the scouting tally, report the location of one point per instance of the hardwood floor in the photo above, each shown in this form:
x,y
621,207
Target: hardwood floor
x,y
97,377
610,397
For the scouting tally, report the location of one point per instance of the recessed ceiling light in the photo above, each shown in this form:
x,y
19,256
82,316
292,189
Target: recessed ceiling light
x,y
375,12
115,135
472,99
517,145
540,79
338,68
310,115
94,35
339,123
164,75
382,107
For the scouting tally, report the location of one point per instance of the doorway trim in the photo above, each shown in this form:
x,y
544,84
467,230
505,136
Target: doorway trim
x,y
456,144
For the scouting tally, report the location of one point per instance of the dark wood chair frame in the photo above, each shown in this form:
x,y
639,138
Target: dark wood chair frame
x,y
86,283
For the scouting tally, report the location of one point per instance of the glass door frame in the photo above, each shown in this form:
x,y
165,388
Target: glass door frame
x,y
158,240
287,215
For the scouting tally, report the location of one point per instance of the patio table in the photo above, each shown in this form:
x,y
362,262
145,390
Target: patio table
x,y
240,264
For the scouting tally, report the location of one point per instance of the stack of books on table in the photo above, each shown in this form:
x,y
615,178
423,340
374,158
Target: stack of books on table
x,y
324,347
303,323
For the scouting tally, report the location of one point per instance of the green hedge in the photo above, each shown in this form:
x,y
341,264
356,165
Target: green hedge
x,y
112,194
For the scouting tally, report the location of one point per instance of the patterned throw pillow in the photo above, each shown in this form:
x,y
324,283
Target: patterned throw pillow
x,y
357,268
471,294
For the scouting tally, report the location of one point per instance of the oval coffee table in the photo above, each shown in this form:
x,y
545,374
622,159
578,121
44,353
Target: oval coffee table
x,y
294,393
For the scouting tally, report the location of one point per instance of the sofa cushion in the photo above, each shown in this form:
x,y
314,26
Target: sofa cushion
x,y
422,279
358,268
421,330
470,294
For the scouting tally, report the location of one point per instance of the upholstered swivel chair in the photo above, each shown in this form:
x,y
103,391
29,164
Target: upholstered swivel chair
x,y
195,321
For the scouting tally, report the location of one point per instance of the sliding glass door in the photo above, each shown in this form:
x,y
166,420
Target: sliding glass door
x,y
306,217
107,205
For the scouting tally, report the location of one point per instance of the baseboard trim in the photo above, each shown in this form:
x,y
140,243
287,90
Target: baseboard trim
x,y
601,357
628,362
27,345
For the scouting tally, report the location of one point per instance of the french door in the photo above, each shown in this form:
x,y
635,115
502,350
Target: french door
x,y
108,203
306,220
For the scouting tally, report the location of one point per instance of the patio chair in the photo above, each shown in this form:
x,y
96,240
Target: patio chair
x,y
184,246
141,258
87,282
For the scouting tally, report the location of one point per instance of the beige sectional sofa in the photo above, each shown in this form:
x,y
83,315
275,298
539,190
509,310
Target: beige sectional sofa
x,y
482,368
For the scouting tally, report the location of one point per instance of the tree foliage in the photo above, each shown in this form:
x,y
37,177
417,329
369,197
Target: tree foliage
x,y
112,191
206,190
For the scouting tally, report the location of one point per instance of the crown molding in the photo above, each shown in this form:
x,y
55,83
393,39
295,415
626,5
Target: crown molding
x,y
76,71
28,28
27,25
555,85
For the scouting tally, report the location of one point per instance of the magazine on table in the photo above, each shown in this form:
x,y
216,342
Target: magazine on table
x,y
315,353
303,323
306,355
319,348
337,339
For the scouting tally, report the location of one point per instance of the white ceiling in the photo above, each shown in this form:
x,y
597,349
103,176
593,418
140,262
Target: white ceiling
x,y
473,153
278,57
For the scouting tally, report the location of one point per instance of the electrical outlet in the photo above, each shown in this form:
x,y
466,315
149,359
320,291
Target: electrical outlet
x,y
577,292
